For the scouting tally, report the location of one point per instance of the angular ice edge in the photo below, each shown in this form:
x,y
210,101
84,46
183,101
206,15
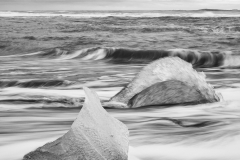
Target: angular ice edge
x,y
162,70
94,135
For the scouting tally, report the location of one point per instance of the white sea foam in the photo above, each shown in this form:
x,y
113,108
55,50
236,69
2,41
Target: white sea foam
x,y
226,150
19,149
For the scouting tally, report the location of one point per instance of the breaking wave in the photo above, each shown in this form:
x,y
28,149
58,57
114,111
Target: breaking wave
x,y
197,58
123,55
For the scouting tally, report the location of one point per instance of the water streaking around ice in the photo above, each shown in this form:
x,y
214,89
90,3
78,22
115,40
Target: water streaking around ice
x,y
211,130
47,57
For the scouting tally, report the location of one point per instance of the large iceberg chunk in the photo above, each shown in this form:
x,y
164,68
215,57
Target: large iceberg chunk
x,y
94,135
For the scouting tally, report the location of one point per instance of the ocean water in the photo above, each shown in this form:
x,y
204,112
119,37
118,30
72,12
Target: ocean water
x,y
47,56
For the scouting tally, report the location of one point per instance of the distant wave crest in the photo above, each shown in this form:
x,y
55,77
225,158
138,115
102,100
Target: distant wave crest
x,y
74,14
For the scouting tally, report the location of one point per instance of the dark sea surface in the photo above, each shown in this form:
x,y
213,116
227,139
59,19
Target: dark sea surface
x,y
47,56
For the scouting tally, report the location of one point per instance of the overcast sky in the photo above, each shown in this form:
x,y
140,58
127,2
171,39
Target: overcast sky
x,y
117,4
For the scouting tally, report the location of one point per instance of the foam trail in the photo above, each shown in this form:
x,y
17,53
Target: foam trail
x,y
105,93
23,55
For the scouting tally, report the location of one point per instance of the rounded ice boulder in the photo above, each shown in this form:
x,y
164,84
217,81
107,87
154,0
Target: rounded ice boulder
x,y
168,80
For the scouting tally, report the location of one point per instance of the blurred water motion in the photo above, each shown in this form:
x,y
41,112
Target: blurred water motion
x,y
43,69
